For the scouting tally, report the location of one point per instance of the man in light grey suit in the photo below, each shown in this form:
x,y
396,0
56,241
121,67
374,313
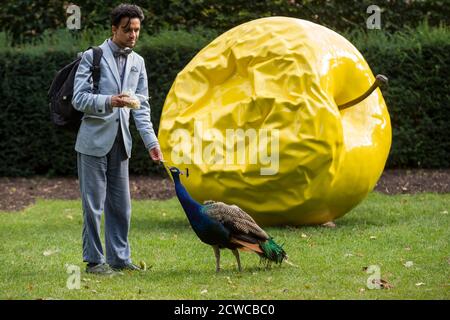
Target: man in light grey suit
x,y
104,142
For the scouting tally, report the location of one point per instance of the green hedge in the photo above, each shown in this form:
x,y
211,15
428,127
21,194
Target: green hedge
x,y
26,20
416,63
418,97
30,143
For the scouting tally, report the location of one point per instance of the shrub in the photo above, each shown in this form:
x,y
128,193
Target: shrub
x,y
416,62
27,20
30,143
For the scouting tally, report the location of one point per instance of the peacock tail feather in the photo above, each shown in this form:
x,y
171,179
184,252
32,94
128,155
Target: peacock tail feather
x,y
273,252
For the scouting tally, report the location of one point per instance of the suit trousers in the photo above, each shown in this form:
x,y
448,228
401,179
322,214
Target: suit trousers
x,y
104,186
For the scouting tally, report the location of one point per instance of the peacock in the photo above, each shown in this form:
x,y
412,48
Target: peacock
x,y
226,226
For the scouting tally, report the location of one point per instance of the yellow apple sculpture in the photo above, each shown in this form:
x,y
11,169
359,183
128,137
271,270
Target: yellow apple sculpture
x,y
257,117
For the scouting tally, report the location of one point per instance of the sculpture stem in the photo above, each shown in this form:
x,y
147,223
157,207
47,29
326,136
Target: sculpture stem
x,y
379,80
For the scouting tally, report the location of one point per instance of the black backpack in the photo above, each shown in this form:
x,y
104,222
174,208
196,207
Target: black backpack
x,y
60,94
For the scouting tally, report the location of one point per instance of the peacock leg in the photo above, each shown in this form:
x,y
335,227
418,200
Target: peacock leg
x,y
236,254
217,254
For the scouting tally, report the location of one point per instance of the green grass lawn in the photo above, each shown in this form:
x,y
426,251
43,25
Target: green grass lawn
x,y
405,236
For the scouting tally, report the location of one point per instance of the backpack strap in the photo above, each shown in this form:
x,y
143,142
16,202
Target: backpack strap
x,y
96,66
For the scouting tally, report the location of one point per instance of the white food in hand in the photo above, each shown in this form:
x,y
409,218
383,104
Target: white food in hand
x,y
132,103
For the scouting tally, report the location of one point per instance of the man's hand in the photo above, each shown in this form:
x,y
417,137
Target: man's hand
x,y
119,101
156,154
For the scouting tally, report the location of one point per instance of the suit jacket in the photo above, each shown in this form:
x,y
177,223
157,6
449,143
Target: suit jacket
x,y
100,123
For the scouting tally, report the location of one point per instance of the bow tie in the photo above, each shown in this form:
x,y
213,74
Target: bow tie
x,y
122,52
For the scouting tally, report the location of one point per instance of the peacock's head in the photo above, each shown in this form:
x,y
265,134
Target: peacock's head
x,y
175,171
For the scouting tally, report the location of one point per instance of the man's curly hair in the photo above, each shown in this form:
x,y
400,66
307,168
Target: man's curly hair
x,y
129,11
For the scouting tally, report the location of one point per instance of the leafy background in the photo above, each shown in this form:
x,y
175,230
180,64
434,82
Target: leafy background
x,y
412,49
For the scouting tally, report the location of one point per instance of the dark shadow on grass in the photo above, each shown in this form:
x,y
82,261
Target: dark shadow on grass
x,y
228,271
376,220
152,224
361,223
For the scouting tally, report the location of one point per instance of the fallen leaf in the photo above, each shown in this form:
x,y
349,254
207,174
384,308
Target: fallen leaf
x,y
408,264
382,283
50,252
348,255
418,284
358,254
329,224
143,265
